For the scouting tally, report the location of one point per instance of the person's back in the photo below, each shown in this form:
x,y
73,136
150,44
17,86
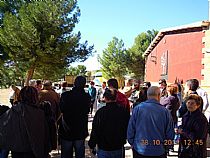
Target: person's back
x,y
24,130
172,101
150,126
74,105
121,98
73,129
109,127
112,128
48,94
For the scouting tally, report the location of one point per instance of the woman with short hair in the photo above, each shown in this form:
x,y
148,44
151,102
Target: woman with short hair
x,y
193,131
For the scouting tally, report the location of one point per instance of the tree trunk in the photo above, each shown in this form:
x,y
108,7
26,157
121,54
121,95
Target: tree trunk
x,y
29,74
121,82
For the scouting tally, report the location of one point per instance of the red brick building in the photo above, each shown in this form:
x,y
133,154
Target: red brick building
x,y
180,52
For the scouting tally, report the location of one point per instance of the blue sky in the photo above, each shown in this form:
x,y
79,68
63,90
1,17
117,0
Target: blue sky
x,y
103,19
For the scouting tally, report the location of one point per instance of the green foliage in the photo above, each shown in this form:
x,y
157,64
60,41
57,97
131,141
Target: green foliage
x,y
75,71
41,37
113,59
135,62
11,73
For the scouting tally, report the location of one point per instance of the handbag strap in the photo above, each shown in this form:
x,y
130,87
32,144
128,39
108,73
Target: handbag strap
x,y
65,126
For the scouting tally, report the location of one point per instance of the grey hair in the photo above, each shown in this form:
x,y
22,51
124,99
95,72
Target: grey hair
x,y
32,83
153,91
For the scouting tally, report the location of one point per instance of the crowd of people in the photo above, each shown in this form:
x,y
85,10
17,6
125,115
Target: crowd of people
x,y
146,116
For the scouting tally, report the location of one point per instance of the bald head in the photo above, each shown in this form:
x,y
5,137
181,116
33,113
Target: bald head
x,y
153,93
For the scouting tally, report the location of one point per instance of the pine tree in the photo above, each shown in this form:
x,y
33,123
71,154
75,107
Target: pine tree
x,y
113,60
40,37
135,62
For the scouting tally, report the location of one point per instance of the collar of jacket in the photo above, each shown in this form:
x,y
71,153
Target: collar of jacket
x,y
78,89
194,112
153,101
111,103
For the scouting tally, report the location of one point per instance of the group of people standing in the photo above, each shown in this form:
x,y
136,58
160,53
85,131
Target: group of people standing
x,y
146,116
153,126
28,128
190,106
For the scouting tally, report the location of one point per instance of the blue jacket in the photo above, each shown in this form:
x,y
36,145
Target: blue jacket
x,y
150,128
92,93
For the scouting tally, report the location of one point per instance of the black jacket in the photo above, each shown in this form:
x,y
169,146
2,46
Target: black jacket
x,y
23,128
74,105
195,128
109,127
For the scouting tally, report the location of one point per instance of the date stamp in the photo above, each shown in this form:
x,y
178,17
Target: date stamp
x,y
169,142
188,142
156,142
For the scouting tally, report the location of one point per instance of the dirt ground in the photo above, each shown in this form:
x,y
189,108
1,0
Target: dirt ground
x,y
4,96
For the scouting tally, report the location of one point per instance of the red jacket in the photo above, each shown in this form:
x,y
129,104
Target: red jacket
x,y
123,100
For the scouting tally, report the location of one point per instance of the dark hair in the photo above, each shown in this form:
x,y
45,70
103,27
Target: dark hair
x,y
112,83
64,84
142,94
80,82
92,83
162,81
28,95
179,87
148,84
195,97
194,84
38,82
110,94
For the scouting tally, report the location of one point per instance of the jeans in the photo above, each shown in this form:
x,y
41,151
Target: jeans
x,y
137,155
4,153
22,154
68,146
110,154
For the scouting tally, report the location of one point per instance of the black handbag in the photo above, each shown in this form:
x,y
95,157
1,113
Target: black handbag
x,y
191,151
65,126
186,152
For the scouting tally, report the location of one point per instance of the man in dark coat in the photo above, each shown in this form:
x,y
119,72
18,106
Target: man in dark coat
x,y
109,127
73,129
